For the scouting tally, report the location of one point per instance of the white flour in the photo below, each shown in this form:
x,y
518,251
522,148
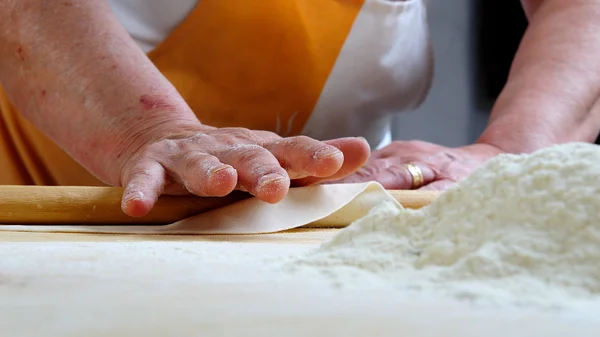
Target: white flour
x,y
521,230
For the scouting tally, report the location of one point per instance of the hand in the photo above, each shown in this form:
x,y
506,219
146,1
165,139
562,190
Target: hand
x,y
214,162
441,166
117,115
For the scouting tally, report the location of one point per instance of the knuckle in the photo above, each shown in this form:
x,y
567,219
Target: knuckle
x,y
266,136
416,143
198,162
448,156
180,143
420,148
142,174
400,172
412,142
302,139
161,146
199,136
368,171
233,136
229,140
142,171
249,152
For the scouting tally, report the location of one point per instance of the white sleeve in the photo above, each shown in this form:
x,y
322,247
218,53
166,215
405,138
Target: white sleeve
x,y
149,22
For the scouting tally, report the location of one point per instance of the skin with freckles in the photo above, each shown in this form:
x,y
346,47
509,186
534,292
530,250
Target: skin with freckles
x,y
73,71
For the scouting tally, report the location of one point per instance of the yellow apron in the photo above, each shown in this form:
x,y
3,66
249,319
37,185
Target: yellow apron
x,y
237,63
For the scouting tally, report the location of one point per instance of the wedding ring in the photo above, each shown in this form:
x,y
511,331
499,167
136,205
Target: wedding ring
x,y
417,175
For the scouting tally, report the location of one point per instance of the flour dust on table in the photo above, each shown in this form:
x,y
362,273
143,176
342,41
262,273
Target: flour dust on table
x,y
522,230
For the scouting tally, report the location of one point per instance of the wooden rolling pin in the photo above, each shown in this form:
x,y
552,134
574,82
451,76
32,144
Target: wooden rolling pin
x,y
48,205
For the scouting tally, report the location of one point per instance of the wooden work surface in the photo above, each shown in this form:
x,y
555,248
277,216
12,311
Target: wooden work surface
x,y
312,236
67,285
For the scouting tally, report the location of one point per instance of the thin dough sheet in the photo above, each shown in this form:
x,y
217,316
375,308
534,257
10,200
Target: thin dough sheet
x,y
335,205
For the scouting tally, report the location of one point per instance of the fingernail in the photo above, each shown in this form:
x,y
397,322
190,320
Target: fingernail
x,y
269,179
327,153
219,169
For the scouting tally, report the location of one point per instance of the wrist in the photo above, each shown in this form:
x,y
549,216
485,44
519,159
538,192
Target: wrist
x,y
517,129
528,132
529,116
511,140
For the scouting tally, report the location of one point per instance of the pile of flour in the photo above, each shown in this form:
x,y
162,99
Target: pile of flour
x,y
520,230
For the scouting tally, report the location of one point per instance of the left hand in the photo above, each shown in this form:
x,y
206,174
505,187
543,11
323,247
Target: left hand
x,y
441,166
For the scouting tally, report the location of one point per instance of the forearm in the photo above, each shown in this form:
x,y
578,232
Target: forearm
x,y
553,88
75,73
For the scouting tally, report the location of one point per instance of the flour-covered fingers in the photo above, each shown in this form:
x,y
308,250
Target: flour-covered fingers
x,y
143,183
201,174
305,157
356,153
259,172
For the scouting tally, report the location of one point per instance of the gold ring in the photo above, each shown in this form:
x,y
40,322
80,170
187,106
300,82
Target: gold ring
x,y
417,175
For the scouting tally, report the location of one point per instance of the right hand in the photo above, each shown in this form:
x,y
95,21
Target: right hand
x,y
213,162
118,116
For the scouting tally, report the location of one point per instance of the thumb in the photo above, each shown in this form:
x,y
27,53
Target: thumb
x,y
143,185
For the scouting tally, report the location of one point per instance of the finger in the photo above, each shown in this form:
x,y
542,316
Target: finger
x,y
401,178
356,153
390,176
303,157
440,185
259,172
143,185
204,175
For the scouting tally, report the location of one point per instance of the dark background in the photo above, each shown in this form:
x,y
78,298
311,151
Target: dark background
x,y
499,27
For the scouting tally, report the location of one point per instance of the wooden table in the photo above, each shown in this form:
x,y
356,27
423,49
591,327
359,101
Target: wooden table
x,y
312,236
174,285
